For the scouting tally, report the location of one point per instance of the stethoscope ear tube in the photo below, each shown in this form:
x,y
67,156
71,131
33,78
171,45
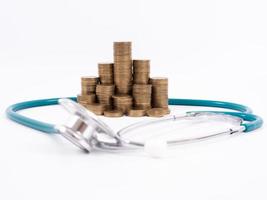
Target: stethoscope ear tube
x,y
84,128
210,103
250,122
253,121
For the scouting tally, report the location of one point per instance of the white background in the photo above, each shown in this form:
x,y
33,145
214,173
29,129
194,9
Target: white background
x,y
209,49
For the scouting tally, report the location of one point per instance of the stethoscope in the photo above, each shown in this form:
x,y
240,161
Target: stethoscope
x,y
87,131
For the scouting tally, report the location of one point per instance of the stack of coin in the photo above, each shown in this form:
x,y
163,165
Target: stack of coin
x,y
122,102
141,70
105,71
86,99
142,96
96,108
88,84
104,95
159,92
124,87
123,67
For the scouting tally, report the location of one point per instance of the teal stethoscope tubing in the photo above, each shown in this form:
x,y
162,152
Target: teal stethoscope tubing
x,y
251,123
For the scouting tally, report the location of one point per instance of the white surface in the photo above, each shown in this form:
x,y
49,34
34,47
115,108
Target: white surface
x,y
156,148
208,49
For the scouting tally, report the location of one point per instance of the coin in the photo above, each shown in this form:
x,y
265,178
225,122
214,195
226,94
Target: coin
x,y
124,87
158,81
122,102
104,94
141,71
88,84
96,108
91,80
123,67
83,103
113,113
88,99
136,113
157,112
142,96
105,72
122,48
159,92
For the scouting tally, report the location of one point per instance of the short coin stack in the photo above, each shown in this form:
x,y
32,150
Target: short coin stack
x,y
159,92
122,102
124,87
88,84
104,95
142,96
86,99
96,108
105,71
141,70
123,67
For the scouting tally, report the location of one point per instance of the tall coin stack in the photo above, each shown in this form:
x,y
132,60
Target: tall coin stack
x,y
159,92
142,96
123,67
105,71
141,70
104,95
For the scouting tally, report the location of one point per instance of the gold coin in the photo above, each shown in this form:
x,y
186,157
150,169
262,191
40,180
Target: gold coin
x,y
123,88
157,112
105,88
159,81
121,96
122,102
89,80
89,98
113,113
140,77
105,66
136,113
88,90
122,48
141,66
83,103
96,108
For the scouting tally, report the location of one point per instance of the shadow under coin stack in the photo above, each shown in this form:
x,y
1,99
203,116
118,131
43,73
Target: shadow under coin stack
x,y
125,87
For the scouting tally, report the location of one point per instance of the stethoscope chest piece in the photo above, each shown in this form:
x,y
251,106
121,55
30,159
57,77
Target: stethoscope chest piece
x,y
83,127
